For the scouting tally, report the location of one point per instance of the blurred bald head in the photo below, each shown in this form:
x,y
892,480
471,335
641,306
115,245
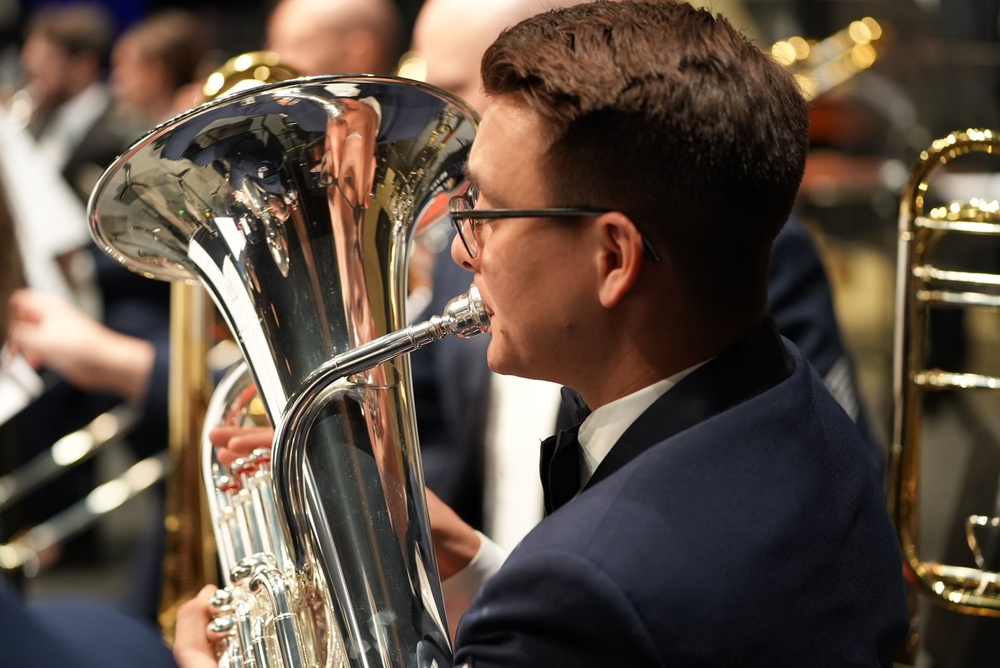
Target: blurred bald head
x,y
317,37
452,35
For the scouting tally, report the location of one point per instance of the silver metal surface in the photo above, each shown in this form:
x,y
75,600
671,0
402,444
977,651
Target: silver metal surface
x,y
294,204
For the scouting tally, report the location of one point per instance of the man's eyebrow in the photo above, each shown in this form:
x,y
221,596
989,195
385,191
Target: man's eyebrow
x,y
471,178
468,175
491,196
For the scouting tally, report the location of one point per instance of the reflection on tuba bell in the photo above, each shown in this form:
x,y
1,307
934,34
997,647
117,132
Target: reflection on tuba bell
x,y
189,560
923,284
294,204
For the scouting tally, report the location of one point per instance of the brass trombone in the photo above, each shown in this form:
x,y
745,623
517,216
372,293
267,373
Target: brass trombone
x,y
920,287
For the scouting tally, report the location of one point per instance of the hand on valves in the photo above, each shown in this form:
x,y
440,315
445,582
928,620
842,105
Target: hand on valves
x,y
455,544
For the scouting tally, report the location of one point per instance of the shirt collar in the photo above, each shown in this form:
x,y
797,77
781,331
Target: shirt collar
x,y
603,427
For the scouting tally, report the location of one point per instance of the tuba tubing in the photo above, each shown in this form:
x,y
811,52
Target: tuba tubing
x,y
255,554
464,316
189,557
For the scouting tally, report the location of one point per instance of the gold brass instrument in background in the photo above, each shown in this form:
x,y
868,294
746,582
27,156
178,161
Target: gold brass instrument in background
x,y
244,72
921,287
819,65
294,204
189,556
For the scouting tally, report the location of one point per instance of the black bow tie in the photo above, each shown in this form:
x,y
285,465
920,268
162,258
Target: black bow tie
x,y
560,468
572,409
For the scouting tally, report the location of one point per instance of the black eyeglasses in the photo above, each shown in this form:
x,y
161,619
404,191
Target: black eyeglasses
x,y
469,221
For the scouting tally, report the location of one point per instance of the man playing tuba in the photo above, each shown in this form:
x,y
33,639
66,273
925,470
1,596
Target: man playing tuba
x,y
709,439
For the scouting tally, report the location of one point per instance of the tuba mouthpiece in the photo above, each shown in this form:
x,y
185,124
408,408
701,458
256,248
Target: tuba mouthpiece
x,y
465,315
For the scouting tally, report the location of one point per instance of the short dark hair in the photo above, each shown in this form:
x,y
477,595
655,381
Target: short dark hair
x,y
668,114
78,27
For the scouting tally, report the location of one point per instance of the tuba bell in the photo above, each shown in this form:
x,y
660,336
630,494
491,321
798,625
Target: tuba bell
x,y
294,205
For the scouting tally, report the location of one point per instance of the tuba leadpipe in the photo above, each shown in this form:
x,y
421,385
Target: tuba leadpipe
x,y
294,204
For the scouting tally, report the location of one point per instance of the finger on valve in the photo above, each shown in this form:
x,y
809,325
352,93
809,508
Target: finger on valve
x,y
231,443
194,643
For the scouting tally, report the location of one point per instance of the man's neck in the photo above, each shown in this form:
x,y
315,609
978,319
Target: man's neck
x,y
642,361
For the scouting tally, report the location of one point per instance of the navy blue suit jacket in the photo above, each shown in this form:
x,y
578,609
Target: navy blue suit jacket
x,y
83,634
800,302
737,522
451,379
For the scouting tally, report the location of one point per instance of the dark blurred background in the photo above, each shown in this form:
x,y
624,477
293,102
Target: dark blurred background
x,y
236,26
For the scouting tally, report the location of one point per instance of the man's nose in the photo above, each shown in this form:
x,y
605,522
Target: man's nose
x,y
461,256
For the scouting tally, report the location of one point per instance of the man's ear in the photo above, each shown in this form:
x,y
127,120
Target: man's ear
x,y
620,258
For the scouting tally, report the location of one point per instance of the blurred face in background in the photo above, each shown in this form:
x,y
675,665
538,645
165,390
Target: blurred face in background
x,y
316,37
48,70
451,36
138,81
309,47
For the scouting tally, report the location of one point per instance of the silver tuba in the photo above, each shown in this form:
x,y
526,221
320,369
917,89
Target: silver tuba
x,y
294,204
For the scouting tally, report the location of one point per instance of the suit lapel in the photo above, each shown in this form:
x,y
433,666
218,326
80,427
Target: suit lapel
x,y
754,365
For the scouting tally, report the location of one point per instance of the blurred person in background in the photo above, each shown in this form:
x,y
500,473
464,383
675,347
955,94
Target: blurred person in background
x,y
122,354
315,37
64,61
64,631
157,62
158,67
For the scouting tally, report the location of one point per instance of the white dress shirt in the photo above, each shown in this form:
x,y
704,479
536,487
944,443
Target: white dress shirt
x,y
597,435
70,123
